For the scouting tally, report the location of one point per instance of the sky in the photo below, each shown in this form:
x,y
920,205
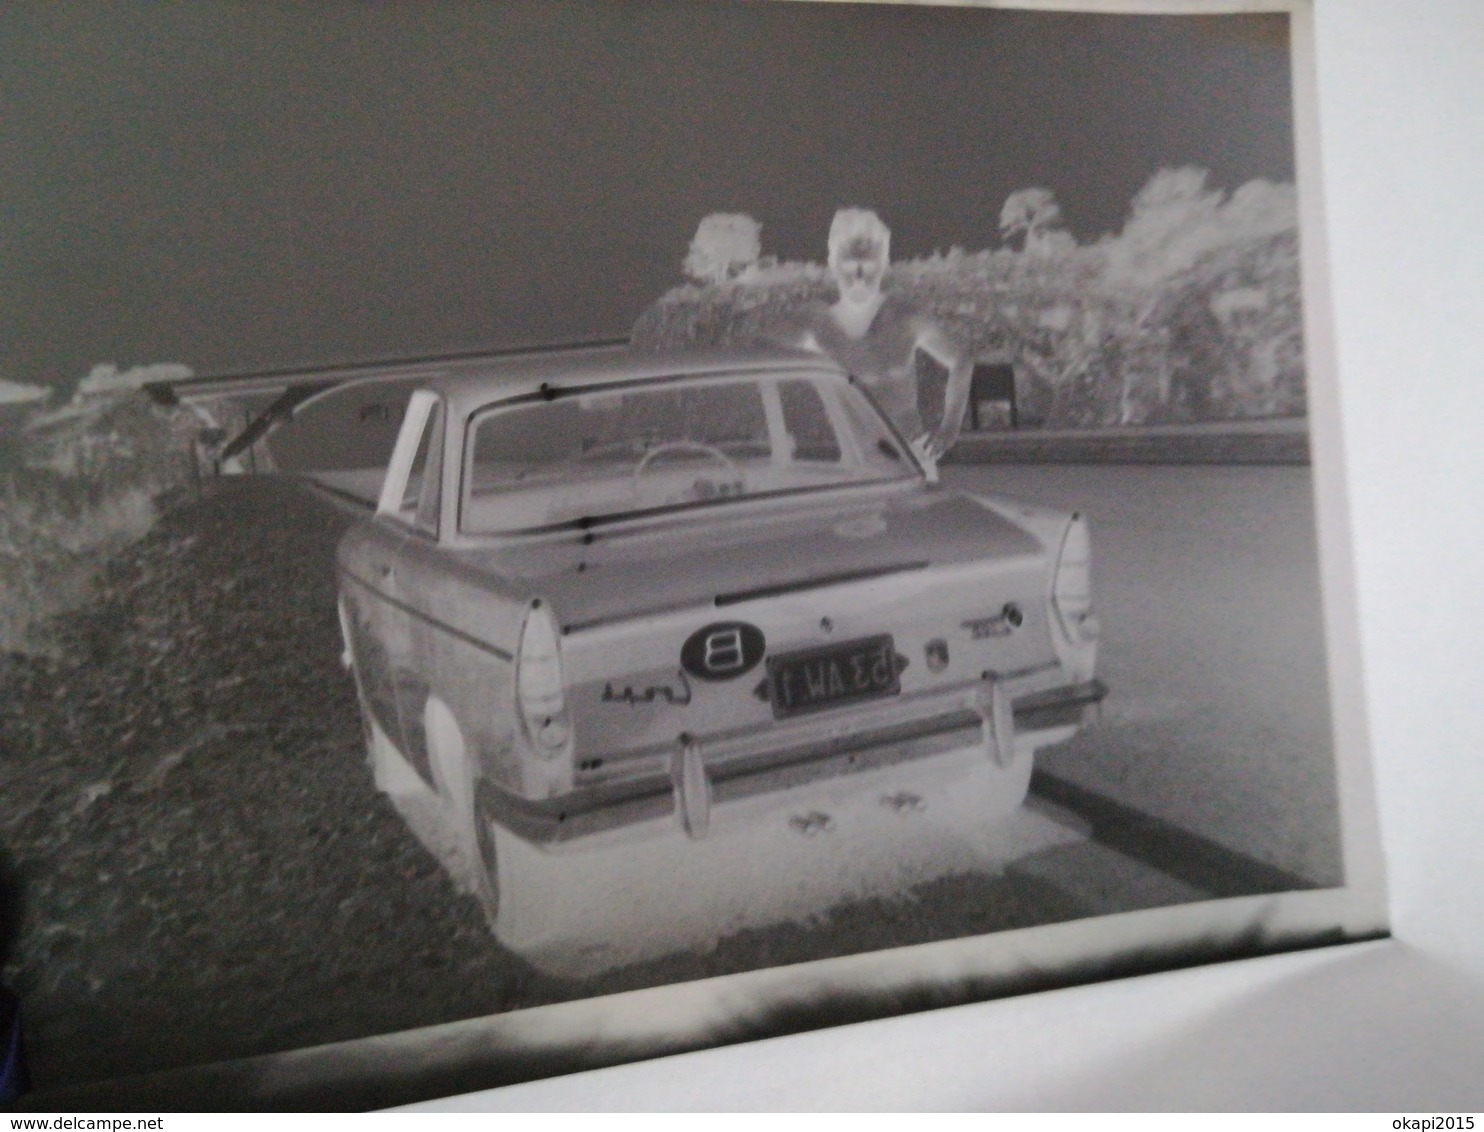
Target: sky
x,y
250,186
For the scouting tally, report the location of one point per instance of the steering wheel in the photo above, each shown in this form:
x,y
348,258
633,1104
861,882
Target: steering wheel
x,y
734,473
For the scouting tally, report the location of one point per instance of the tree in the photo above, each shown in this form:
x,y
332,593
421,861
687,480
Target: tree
x,y
726,243
1032,212
1175,219
1260,208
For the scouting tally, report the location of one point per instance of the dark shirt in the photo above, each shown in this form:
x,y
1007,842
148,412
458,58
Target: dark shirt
x,y
883,360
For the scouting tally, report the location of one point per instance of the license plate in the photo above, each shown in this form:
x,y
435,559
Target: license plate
x,y
832,675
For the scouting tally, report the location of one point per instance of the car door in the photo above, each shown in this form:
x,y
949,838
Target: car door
x,y
342,437
407,510
371,621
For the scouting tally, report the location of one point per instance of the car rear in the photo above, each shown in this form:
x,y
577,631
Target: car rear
x,y
764,664
858,729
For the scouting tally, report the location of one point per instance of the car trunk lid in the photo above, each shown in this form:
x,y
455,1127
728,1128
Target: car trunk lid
x,y
942,590
750,555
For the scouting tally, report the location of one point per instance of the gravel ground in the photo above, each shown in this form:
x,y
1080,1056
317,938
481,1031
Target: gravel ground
x,y
205,869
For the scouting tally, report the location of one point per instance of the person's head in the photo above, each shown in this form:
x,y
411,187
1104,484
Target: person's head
x,y
860,249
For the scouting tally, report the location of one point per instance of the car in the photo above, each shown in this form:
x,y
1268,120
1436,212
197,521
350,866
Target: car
x,y
650,649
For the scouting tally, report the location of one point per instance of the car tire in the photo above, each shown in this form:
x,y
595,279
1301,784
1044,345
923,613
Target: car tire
x,y
485,859
467,797
352,662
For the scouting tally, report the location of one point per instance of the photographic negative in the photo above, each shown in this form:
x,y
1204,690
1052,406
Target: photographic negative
x,y
842,522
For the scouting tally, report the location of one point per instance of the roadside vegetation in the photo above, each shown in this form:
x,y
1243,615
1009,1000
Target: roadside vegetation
x,y
77,483
1190,313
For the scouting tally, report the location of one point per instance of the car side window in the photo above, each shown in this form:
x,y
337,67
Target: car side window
x,y
423,497
806,420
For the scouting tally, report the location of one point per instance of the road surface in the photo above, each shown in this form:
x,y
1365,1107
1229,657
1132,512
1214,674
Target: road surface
x,y
1207,582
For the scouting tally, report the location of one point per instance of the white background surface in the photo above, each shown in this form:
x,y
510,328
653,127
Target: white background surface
x,y
1394,1026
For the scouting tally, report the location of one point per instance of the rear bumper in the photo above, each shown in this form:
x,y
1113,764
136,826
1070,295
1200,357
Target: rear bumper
x,y
693,776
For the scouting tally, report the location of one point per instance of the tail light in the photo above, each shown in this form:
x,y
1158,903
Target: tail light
x,y
1071,596
540,689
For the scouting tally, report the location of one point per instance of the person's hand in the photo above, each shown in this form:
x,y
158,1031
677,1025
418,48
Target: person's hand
x,y
924,449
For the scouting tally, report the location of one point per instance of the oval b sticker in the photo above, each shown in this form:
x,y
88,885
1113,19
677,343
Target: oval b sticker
x,y
722,651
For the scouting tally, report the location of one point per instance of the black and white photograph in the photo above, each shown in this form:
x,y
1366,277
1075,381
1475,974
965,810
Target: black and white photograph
x,y
549,534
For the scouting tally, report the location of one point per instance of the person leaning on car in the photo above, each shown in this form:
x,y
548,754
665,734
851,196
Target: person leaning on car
x,y
875,335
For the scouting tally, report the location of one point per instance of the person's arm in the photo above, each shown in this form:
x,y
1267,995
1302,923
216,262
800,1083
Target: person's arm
x,y
932,340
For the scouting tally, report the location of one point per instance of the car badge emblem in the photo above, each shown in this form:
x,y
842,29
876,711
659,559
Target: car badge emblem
x,y
723,650
1002,624
678,695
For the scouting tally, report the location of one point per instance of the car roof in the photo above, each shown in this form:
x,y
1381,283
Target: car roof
x,y
476,382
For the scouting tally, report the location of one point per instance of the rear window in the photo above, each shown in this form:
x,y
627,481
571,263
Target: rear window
x,y
671,443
